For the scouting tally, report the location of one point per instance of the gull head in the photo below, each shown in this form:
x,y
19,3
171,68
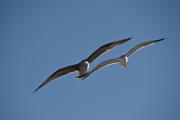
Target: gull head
x,y
123,61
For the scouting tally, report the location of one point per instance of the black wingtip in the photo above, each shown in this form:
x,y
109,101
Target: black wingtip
x,y
123,40
38,88
127,39
161,39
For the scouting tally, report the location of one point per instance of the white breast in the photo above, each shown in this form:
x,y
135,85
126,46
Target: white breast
x,y
124,61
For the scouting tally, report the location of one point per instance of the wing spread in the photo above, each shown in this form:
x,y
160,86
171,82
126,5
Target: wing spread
x,y
58,73
105,48
102,65
142,45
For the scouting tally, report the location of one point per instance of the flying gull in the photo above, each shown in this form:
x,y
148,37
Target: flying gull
x,y
122,60
83,66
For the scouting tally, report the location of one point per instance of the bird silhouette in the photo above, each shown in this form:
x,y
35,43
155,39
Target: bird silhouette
x,y
83,66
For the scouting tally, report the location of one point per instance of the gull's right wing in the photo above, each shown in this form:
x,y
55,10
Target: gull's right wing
x,y
58,73
142,45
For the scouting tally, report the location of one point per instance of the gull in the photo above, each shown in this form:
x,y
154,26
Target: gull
x,y
122,60
83,66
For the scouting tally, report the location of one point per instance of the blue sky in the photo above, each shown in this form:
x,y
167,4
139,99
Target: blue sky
x,y
37,37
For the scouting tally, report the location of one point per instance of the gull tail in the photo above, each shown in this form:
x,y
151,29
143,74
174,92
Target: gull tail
x,y
85,76
81,76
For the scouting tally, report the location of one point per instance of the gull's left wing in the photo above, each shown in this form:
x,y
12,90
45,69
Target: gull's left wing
x,y
105,48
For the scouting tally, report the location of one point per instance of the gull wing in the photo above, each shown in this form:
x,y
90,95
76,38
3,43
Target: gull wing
x,y
102,65
142,45
105,48
58,73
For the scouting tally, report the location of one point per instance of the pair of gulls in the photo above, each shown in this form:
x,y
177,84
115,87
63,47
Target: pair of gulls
x,y
83,66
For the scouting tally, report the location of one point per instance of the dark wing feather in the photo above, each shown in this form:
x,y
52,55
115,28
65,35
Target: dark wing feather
x,y
105,48
58,73
142,45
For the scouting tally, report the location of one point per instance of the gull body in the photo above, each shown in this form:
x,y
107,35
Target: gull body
x,y
123,61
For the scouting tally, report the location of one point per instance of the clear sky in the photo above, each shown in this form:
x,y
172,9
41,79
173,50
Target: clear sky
x,y
37,37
